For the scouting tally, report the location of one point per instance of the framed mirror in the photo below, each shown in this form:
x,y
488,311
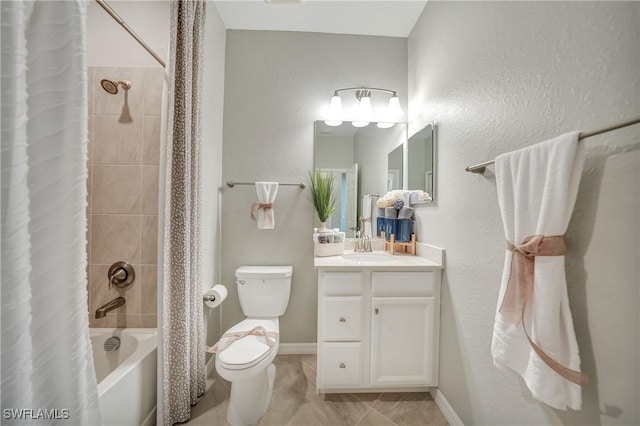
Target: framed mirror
x,y
358,158
421,167
394,169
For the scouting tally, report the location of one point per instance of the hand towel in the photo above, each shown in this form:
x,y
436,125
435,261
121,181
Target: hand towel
x,y
405,213
390,213
366,214
537,189
415,196
262,211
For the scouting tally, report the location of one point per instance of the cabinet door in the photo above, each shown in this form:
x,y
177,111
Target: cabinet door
x,y
402,341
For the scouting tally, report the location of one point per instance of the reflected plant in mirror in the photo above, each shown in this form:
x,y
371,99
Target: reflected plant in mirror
x,y
421,160
357,157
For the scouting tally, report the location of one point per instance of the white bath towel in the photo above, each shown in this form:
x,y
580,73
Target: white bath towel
x,y
366,214
262,211
537,190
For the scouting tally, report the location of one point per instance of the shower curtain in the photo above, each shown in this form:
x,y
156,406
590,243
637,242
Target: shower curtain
x,y
46,359
182,351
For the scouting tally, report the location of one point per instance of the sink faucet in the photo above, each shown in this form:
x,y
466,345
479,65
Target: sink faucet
x,y
101,312
363,244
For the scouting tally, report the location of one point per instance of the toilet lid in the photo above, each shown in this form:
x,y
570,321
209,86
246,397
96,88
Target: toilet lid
x,y
249,350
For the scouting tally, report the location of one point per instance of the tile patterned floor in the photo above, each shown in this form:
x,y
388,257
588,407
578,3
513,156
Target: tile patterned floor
x,y
295,402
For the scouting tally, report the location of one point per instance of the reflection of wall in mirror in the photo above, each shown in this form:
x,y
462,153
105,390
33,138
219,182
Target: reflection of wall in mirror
x,y
393,179
334,153
344,147
420,161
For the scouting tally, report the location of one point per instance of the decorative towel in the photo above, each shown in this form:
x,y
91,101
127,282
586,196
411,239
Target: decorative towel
x,y
262,211
227,339
533,333
366,214
390,213
405,213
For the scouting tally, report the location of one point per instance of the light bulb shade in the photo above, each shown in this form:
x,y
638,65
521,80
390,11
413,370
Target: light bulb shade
x,y
394,110
385,125
365,110
333,123
335,107
360,123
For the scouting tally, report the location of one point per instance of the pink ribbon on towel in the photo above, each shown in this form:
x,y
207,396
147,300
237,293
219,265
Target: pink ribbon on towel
x,y
520,288
227,339
257,206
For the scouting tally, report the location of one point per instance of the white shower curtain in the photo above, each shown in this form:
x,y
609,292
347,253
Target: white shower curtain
x,y
182,351
46,358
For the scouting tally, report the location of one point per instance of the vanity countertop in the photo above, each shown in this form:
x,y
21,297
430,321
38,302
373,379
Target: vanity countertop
x,y
387,262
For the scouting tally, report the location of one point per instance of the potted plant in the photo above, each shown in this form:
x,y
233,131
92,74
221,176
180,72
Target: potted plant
x,y
321,187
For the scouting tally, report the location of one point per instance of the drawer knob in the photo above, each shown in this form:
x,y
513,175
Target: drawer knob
x,y
342,365
342,319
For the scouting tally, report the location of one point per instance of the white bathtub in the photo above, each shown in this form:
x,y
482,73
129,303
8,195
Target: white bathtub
x,y
127,376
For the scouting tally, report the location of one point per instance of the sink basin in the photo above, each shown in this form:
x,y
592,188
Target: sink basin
x,y
369,257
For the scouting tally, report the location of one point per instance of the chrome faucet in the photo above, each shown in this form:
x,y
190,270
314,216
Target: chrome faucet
x,y
101,312
363,244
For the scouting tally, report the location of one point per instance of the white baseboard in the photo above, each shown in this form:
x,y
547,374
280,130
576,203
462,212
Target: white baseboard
x,y
446,408
297,348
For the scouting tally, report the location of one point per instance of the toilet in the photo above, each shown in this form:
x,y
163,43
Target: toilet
x,y
247,363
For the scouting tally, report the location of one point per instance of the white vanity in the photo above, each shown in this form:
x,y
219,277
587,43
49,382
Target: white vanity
x,y
378,321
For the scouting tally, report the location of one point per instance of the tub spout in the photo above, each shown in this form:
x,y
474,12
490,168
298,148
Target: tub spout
x,y
101,312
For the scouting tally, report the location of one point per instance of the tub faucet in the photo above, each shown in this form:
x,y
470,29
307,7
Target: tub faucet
x,y
101,312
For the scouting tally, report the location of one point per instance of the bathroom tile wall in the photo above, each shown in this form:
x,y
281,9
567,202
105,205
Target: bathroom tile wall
x,y
124,142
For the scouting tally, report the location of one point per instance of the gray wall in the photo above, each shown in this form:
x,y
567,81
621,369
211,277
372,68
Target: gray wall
x,y
498,77
276,85
212,108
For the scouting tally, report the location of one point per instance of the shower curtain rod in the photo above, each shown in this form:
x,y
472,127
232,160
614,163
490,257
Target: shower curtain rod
x,y
128,29
479,168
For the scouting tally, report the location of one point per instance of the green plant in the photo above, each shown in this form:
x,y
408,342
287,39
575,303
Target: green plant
x,y
322,194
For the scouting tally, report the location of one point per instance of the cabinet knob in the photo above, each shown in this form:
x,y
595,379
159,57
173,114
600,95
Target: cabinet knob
x,y
342,319
342,365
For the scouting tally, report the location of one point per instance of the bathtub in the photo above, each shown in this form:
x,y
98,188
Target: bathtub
x,y
127,376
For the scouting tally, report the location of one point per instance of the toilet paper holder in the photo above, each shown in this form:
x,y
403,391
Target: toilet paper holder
x,y
215,296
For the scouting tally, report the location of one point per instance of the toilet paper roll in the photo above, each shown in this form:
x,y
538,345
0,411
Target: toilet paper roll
x,y
215,295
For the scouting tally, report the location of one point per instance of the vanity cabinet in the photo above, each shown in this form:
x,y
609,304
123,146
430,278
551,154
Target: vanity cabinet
x,y
377,330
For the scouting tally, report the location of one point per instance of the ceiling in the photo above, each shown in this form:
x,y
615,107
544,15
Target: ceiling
x,y
362,17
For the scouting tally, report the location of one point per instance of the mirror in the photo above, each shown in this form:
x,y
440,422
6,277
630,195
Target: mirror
x,y
358,159
394,169
421,165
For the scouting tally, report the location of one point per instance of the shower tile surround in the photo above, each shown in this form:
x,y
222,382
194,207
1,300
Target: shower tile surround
x,y
122,205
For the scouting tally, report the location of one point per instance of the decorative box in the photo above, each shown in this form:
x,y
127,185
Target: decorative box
x,y
400,228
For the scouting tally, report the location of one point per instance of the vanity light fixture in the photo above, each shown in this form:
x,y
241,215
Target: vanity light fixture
x,y
364,112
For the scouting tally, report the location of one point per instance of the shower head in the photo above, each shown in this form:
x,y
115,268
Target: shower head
x,y
111,86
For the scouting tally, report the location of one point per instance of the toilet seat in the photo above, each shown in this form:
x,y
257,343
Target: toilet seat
x,y
250,350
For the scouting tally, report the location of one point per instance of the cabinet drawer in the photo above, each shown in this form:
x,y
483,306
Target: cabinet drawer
x,y
402,283
341,283
340,365
341,318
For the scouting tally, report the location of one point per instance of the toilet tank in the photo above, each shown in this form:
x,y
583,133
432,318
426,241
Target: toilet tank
x,y
264,291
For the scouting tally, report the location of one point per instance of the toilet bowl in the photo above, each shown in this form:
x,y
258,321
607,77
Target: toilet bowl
x,y
247,362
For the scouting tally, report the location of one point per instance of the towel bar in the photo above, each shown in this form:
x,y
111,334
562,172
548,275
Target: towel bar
x,y
479,168
231,184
